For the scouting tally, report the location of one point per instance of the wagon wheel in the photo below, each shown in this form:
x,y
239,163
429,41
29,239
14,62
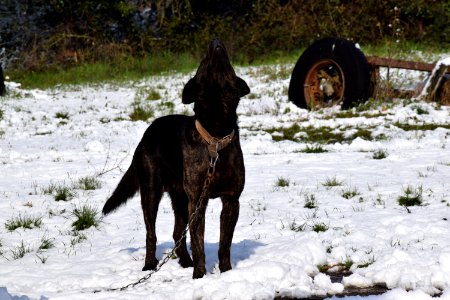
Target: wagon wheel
x,y
332,71
324,84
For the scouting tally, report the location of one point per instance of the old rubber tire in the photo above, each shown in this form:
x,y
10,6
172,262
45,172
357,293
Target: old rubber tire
x,y
344,75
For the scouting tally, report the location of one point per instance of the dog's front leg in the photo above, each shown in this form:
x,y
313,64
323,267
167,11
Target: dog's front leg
x,y
228,220
197,231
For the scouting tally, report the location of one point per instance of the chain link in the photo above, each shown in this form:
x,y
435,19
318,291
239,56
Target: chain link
x,y
204,195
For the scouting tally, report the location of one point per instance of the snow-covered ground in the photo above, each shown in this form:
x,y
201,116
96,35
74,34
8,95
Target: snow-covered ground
x,y
50,139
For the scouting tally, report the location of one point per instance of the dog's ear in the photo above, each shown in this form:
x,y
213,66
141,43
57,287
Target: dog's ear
x,y
190,91
243,87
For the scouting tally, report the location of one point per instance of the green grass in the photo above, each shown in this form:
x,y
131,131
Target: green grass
x,y
319,135
332,182
320,227
46,244
119,70
411,197
88,183
285,133
344,266
59,192
125,67
349,193
86,217
141,113
25,222
153,95
420,127
310,201
282,182
62,115
366,263
294,226
314,149
78,237
20,251
63,193
380,154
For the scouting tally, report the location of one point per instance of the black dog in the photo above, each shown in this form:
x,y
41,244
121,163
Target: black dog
x,y
175,154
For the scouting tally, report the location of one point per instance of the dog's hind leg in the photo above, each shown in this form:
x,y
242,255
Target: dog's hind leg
x,y
228,220
151,193
180,209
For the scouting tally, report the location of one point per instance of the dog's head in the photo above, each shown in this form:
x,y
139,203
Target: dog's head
x,y
215,89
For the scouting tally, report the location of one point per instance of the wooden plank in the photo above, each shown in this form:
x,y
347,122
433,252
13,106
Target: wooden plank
x,y
376,61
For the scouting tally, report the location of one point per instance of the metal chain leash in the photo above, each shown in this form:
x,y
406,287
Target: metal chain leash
x,y
203,196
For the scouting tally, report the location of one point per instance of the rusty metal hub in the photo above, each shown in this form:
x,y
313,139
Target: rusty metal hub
x,y
324,84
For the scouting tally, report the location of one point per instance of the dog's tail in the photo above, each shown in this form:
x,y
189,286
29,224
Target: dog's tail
x,y
127,188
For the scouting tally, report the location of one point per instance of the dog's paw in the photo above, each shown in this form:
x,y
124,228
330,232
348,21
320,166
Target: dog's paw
x,y
198,273
149,266
223,267
186,263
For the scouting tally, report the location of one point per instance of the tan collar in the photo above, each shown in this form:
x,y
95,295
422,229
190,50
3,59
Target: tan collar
x,y
214,144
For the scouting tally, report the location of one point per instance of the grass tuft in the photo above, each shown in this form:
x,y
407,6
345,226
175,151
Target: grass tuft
x,y
25,222
310,201
380,154
62,115
411,197
153,95
78,237
350,193
87,216
88,183
332,182
320,227
46,244
294,226
20,251
63,193
314,149
59,192
282,182
141,113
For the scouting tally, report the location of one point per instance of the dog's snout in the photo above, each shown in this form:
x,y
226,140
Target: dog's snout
x,y
217,45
